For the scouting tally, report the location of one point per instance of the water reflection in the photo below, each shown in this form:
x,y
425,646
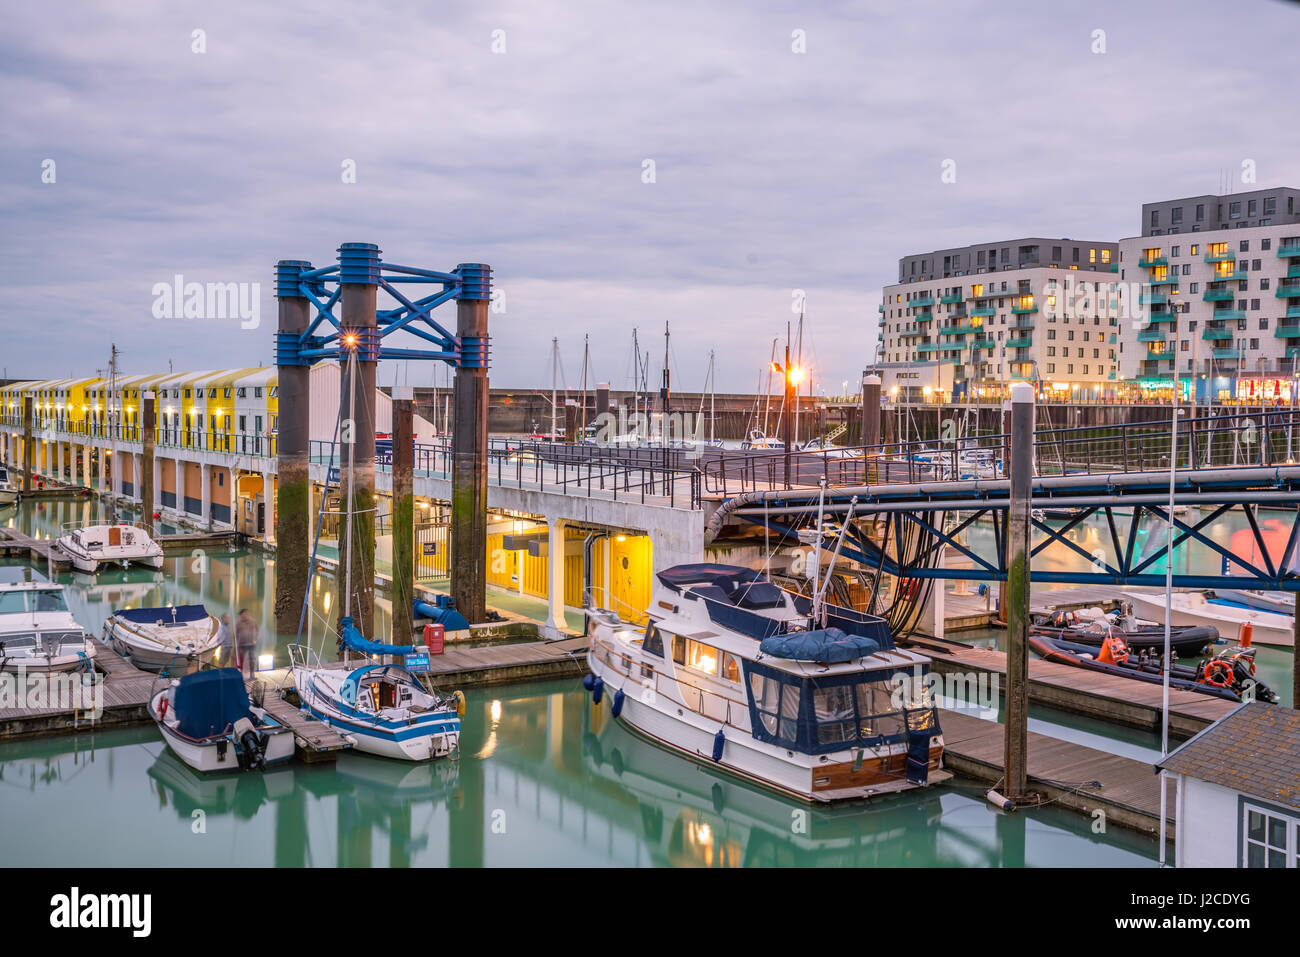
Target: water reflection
x,y
544,781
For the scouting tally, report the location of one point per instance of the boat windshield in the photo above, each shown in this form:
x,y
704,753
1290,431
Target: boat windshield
x,y
832,713
19,602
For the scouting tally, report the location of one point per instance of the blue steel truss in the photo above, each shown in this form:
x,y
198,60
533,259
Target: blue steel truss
x,y
327,337
916,525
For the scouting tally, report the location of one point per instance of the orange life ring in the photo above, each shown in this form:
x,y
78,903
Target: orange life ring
x,y
1218,673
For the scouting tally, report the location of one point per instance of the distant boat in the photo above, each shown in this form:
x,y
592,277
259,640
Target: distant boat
x,y
760,442
1279,602
10,493
177,639
207,719
37,631
119,544
1199,608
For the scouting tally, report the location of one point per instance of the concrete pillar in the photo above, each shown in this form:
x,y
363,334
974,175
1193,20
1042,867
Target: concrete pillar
x,y
602,398
205,496
1016,603
469,444
27,445
58,461
157,484
103,469
359,277
293,449
136,468
571,417
555,572
144,477
871,424
403,514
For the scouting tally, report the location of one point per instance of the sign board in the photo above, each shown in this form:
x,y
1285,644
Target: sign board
x,y
418,662
429,548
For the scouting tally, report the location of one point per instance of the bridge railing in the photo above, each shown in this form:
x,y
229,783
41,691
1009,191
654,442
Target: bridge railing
x,y
1240,438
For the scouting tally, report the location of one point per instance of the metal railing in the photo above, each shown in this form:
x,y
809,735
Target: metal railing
x,y
257,445
1239,438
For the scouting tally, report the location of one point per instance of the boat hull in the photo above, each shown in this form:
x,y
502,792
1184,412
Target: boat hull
x,y
1191,609
750,760
209,757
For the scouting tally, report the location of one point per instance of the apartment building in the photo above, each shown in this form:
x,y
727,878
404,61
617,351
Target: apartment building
x,y
1220,282
966,322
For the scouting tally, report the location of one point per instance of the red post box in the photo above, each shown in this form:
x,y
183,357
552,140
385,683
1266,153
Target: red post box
x,y
434,636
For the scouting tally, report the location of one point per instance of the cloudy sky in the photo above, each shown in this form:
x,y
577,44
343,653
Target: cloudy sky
x,y
519,134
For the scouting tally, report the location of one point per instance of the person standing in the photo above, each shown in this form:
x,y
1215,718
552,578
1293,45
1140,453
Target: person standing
x,y
226,642
246,641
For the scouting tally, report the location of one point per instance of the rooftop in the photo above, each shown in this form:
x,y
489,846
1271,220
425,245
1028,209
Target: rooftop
x,y
1254,749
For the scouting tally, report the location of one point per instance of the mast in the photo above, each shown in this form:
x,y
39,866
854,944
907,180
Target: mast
x,y
555,369
586,352
798,365
665,395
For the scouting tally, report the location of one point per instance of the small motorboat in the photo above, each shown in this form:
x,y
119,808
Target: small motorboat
x,y
758,441
1278,602
382,708
1226,675
119,544
1186,640
38,634
176,639
1203,608
206,718
10,493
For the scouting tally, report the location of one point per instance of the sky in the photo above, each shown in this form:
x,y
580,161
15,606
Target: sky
x,y
619,165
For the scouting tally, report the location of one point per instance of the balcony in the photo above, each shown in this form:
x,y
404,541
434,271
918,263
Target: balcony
x,y
924,316
1287,332
913,334
951,298
880,308
1020,342
1232,275
1290,251
1024,309
1293,271
982,312
1225,353
1213,335
927,347
1224,256
1145,263
1151,299
1170,279
1219,295
1289,292
1026,324
1223,315
1152,335
992,294
958,330
1293,312
924,302
1154,317
1157,350
982,344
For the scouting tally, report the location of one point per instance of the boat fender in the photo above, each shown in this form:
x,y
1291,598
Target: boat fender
x,y
597,690
162,707
588,680
618,703
719,742
719,802
1246,634
998,801
459,698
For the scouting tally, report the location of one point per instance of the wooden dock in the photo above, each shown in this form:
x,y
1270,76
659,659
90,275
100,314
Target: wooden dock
x,y
43,552
967,612
1072,775
1078,691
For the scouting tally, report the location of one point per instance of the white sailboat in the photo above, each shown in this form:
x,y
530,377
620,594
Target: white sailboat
x,y
10,492
381,708
1201,608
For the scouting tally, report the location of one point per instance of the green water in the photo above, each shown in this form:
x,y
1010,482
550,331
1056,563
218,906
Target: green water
x,y
542,781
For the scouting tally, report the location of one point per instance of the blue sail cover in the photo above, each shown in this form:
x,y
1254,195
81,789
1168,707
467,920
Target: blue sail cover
x,y
355,641
209,702
830,645
151,616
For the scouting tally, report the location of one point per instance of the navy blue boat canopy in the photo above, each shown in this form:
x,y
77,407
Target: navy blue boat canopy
x,y
829,645
151,616
209,702
707,573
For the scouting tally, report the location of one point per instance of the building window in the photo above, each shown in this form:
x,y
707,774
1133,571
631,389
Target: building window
x,y
1155,218
1234,210
1269,839
1200,213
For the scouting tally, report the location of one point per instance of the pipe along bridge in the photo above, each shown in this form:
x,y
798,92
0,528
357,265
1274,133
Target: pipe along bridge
x,y
902,530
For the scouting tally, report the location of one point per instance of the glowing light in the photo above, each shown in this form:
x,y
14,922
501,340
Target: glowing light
x,y
496,711
796,374
265,662
620,538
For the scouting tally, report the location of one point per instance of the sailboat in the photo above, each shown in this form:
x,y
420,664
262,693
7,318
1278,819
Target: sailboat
x,y
381,708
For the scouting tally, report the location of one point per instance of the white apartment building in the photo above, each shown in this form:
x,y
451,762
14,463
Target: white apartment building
x,y
965,323
1221,280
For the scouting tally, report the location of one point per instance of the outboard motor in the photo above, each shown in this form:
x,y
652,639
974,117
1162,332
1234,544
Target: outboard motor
x,y
250,746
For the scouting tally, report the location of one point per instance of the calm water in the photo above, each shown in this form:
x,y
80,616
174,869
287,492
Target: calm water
x,y
542,780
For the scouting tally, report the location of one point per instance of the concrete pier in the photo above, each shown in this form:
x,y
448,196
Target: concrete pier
x,y
403,515
145,480
469,501
293,479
